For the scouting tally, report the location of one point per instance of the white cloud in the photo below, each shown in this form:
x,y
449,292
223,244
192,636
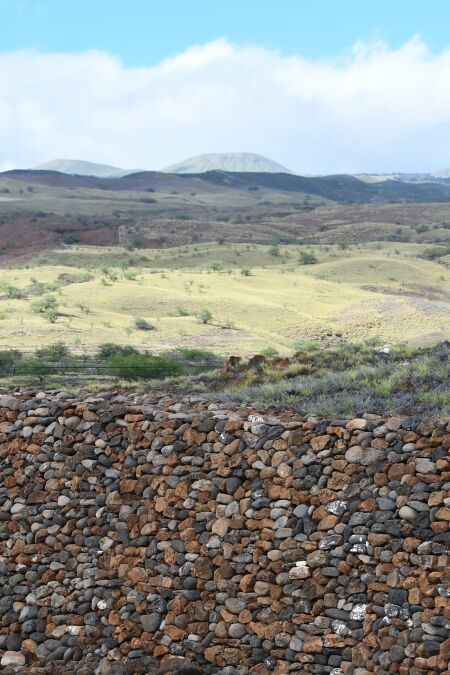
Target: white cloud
x,y
371,109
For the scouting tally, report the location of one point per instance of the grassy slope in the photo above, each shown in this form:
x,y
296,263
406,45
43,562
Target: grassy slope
x,y
365,291
352,380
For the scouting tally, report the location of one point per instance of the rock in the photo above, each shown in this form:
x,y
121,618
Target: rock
x,y
425,465
443,514
300,571
138,532
407,513
12,659
150,622
357,424
220,526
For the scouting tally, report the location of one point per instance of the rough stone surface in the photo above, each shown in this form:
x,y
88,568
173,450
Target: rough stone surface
x,y
141,535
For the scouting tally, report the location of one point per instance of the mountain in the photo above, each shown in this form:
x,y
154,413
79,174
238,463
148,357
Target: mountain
x,y
435,177
227,161
82,168
444,173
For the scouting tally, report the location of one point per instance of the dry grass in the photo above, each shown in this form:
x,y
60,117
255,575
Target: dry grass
x,y
382,290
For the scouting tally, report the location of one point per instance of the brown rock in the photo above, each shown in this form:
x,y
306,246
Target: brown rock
x,y
313,645
320,442
221,526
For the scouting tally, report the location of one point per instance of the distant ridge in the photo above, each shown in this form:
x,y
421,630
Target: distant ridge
x,y
77,167
242,162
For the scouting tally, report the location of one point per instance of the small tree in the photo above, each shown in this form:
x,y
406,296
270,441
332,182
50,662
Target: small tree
x,y
55,352
274,251
8,360
71,238
45,304
143,367
307,258
204,316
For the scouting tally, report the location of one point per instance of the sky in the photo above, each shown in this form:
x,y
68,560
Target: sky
x,y
322,87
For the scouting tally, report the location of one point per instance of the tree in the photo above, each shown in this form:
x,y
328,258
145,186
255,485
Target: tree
x,y
274,251
45,304
306,258
204,316
143,367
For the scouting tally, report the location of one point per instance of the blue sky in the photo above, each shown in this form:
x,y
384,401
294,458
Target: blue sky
x,y
143,32
321,86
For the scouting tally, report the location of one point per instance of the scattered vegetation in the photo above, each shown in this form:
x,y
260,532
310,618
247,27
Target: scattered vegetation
x,y
354,379
204,316
307,258
143,324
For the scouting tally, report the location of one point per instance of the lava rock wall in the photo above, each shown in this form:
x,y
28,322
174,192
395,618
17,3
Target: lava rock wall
x,y
137,534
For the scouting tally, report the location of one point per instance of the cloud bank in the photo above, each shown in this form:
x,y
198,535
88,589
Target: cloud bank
x,y
372,109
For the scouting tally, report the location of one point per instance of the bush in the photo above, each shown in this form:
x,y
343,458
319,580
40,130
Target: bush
x,y
306,258
44,305
204,316
71,238
8,360
180,311
143,324
192,354
270,352
55,352
274,251
13,292
436,252
108,349
36,367
143,367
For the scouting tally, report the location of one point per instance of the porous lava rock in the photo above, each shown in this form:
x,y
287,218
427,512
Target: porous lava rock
x,y
142,535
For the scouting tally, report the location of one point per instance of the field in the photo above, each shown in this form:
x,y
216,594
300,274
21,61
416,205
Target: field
x,y
40,210
259,297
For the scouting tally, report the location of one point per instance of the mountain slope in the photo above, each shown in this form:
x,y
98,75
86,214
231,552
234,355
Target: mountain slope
x,y
82,168
229,161
340,188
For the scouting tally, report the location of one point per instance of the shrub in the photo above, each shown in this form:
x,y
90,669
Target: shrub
x,y
71,238
270,352
274,251
304,344
204,316
436,252
44,305
306,258
55,352
180,311
13,292
143,324
143,367
192,354
108,349
36,367
8,360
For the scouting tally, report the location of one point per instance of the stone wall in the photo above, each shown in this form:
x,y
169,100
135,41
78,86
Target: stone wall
x,y
138,533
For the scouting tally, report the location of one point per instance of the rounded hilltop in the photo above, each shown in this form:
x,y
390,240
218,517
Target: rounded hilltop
x,y
228,161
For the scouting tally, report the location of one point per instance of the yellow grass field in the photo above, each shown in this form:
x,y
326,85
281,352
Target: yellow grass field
x,y
376,290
